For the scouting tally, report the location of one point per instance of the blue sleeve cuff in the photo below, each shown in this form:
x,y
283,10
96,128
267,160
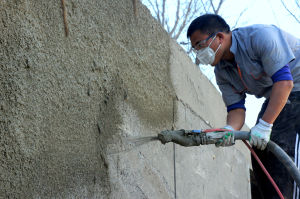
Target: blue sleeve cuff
x,y
240,104
283,74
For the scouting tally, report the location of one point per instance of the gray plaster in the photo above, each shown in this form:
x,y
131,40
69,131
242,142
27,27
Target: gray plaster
x,y
67,102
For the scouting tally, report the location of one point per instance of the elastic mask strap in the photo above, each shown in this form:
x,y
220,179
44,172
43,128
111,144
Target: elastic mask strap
x,y
218,48
212,40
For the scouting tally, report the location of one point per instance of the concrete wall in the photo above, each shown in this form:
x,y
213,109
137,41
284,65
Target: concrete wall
x,y
69,106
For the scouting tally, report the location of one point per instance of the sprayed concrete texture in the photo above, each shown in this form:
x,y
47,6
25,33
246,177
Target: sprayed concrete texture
x,y
68,106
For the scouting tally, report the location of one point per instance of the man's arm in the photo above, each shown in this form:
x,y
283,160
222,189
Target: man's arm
x,y
261,132
236,118
279,95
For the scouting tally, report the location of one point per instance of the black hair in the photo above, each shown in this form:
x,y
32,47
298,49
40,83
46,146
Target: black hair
x,y
208,24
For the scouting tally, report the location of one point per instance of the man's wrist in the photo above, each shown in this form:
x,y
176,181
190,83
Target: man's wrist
x,y
264,123
228,127
265,119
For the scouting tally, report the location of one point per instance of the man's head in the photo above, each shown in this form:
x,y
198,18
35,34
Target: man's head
x,y
210,31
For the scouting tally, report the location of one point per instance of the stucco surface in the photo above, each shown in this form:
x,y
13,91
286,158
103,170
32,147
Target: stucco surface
x,y
68,106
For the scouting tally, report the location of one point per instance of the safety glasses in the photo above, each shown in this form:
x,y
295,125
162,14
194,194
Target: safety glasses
x,y
202,43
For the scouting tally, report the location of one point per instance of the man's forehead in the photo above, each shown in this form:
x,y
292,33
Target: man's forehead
x,y
198,36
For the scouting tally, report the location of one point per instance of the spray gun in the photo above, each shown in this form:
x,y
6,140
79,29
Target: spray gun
x,y
198,137
189,138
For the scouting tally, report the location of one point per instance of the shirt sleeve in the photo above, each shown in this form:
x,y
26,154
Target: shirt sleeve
x,y
271,49
240,104
229,94
282,74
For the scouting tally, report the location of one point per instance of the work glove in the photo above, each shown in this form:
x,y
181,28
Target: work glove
x,y
228,138
260,134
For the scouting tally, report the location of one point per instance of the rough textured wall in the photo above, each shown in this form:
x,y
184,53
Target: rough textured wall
x,y
68,104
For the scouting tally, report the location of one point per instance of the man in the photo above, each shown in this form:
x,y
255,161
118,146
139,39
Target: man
x,y
264,61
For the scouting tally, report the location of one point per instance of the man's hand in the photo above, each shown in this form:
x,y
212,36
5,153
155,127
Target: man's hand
x,y
260,134
228,138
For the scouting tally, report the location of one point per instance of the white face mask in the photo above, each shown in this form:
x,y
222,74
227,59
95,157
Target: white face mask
x,y
207,55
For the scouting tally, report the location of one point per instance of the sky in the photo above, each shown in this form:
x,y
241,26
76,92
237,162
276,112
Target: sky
x,y
258,12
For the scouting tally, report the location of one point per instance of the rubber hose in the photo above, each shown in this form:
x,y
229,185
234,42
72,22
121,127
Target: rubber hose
x,y
278,152
285,160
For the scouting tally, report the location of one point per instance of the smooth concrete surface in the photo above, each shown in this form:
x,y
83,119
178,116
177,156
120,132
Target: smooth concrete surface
x,y
70,106
205,171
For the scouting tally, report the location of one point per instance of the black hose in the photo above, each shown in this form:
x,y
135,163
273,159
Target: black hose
x,y
278,152
180,138
285,160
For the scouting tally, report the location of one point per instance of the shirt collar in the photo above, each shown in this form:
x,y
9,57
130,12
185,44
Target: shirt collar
x,y
233,49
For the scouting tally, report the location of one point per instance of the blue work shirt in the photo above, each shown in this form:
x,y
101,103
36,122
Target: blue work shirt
x,y
259,52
